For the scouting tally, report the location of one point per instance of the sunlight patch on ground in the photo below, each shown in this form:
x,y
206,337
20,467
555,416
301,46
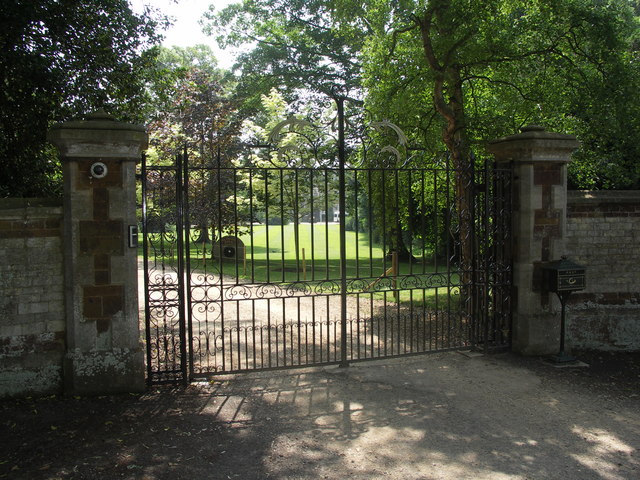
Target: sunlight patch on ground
x,y
605,453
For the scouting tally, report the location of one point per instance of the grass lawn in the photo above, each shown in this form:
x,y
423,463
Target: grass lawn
x,y
273,255
317,252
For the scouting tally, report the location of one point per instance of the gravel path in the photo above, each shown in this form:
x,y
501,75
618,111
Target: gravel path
x,y
442,416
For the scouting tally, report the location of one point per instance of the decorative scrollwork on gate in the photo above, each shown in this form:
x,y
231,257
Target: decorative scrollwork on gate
x,y
269,290
303,152
238,292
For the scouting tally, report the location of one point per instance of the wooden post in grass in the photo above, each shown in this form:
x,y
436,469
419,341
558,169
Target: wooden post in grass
x,y
304,266
394,275
392,272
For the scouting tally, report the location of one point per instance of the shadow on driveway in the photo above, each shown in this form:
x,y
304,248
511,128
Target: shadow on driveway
x,y
442,416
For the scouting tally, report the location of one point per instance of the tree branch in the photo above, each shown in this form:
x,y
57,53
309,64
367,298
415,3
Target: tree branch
x,y
394,39
499,82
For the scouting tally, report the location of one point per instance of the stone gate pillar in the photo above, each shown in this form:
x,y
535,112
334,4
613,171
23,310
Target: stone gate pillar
x,y
99,157
540,161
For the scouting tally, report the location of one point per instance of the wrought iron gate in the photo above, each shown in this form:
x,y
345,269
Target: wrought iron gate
x,y
258,261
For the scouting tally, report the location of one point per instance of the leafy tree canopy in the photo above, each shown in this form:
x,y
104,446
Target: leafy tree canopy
x,y
190,103
297,44
60,59
465,70
190,107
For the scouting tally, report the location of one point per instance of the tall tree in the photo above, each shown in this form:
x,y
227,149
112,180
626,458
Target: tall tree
x,y
60,59
190,103
297,44
484,62
470,69
191,109
301,141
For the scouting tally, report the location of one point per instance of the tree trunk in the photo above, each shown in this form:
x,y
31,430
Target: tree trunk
x,y
448,99
203,236
400,248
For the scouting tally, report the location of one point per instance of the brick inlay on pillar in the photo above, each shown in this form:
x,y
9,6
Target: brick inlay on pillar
x,y
102,301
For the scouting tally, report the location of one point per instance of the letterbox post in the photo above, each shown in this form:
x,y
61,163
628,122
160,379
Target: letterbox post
x,y
563,277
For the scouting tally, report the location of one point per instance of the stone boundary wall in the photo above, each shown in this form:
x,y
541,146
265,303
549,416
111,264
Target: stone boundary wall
x,y
603,234
32,317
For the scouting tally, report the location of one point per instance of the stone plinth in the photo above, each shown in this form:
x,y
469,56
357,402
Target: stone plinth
x,y
103,339
539,161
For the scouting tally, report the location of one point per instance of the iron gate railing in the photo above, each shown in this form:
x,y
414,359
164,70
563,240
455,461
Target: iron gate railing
x,y
261,266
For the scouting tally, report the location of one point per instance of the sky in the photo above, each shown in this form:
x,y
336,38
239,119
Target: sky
x,y
186,31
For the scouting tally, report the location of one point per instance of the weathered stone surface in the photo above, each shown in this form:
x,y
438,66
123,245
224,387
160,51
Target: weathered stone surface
x,y
32,323
19,381
112,371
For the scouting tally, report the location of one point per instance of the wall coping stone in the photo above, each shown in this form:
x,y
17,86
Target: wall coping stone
x,y
599,197
99,135
99,120
22,203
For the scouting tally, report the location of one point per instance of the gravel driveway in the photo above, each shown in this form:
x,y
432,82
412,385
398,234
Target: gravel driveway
x,y
440,416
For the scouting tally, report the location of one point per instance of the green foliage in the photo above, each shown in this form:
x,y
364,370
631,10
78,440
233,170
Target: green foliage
x,y
191,110
190,104
456,73
480,70
297,45
58,60
286,194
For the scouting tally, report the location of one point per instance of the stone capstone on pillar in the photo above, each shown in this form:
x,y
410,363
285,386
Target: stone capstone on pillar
x,y
99,135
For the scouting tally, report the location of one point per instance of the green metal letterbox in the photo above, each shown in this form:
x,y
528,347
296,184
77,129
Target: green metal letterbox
x,y
564,276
